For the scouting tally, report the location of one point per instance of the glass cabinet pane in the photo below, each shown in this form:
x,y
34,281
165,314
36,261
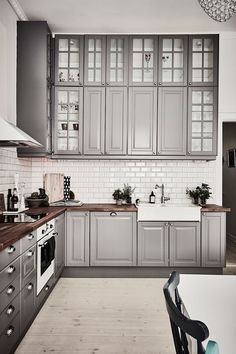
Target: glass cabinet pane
x,y
68,64
142,60
116,53
203,60
94,60
172,57
202,121
68,120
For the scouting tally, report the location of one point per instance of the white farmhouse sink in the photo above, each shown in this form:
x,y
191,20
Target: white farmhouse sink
x,y
168,212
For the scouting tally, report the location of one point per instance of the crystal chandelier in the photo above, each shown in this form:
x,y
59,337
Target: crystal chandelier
x,y
219,10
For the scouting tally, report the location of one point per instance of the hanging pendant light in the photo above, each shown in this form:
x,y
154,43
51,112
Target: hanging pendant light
x,y
219,10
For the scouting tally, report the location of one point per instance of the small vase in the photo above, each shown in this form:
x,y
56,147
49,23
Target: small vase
x,y
203,202
128,200
195,201
119,202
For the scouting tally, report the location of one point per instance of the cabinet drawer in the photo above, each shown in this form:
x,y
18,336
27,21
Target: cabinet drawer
x,y
28,265
9,273
8,294
10,335
28,306
9,254
28,241
9,313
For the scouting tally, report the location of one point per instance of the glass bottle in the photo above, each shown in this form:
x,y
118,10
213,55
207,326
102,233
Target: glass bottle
x,y
14,200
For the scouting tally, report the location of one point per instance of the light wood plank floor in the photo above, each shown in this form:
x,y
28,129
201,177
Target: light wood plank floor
x,y
96,316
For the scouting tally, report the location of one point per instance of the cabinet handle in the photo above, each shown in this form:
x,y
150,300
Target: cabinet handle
x,y
190,83
30,253
10,290
166,224
86,214
189,153
30,286
46,288
103,83
11,249
80,84
10,310
55,233
108,83
9,331
171,224
159,83
11,269
30,237
155,83
113,213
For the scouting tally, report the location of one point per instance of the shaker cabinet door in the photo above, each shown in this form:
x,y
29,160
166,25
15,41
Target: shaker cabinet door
x,y
94,60
94,120
142,120
172,120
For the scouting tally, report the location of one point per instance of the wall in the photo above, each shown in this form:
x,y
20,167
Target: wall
x,y
9,163
95,181
229,177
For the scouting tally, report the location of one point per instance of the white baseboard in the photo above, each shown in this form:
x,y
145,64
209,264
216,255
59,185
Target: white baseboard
x,y
231,237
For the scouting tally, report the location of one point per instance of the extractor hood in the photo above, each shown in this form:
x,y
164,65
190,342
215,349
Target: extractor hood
x,y
12,136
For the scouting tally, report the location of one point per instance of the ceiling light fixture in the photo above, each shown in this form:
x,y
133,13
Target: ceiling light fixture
x,y
219,10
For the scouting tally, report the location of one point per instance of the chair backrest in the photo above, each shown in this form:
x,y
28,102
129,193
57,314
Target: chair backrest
x,y
182,327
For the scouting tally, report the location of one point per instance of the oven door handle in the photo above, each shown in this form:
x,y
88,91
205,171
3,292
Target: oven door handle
x,y
44,244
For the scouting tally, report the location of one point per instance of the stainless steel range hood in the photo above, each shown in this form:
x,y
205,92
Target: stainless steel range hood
x,y
12,136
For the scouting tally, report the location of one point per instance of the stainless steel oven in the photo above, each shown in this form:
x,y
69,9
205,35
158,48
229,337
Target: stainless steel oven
x,y
45,253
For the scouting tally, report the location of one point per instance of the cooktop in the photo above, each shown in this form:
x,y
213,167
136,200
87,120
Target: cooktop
x,y
21,217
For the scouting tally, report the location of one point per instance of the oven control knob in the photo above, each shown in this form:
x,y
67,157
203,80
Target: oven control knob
x,y
43,231
51,226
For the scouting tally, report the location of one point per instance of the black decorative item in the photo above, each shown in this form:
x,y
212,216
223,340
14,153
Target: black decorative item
x,y
66,187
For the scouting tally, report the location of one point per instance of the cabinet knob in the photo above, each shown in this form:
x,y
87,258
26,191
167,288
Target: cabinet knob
x,y
30,286
171,224
46,288
108,83
155,83
189,153
113,213
190,83
11,249
10,310
9,331
30,237
10,290
159,83
103,83
166,224
30,253
11,270
80,84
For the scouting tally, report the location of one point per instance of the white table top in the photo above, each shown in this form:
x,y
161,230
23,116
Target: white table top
x,y
212,300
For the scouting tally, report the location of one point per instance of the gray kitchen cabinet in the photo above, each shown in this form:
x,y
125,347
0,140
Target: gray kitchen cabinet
x,y
172,61
28,303
10,336
68,121
113,239
69,60
172,120
142,121
77,239
117,61
28,265
184,244
60,244
202,121
153,244
213,239
94,120
143,60
203,60
116,121
94,60
34,81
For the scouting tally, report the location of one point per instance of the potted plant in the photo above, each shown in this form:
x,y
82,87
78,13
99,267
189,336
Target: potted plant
x,y
118,196
194,194
200,193
127,193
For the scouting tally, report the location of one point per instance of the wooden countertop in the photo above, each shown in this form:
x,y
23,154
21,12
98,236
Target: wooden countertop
x,y
12,232
214,208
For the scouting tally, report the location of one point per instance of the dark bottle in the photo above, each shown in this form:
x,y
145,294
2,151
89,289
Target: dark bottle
x,y
14,200
9,196
152,198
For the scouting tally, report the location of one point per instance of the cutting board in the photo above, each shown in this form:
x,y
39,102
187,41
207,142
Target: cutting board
x,y
2,202
54,186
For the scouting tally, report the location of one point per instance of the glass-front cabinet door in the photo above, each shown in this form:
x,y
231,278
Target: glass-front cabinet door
x,y
117,60
68,120
202,124
203,60
69,61
94,62
143,61
172,61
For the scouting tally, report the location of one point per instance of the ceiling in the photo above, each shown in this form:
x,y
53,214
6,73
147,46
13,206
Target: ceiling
x,y
124,16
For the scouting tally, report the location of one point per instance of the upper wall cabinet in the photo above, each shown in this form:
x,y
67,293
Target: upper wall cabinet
x,y
69,60
117,61
143,61
172,61
202,121
203,60
94,60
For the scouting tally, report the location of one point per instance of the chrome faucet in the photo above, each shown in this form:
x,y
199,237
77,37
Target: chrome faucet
x,y
163,198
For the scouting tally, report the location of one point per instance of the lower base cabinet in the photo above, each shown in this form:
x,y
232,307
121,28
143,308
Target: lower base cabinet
x,y
77,239
213,239
164,244
113,239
